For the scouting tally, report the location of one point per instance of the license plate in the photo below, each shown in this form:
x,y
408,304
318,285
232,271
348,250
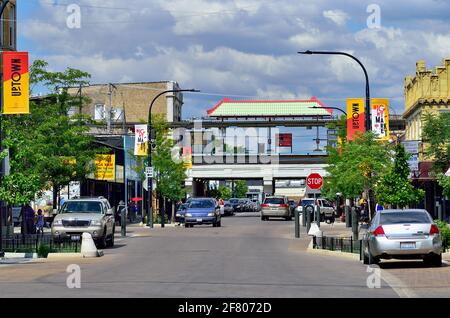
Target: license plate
x,y
75,237
199,220
407,245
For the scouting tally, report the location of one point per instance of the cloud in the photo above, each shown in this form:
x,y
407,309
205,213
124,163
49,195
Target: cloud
x,y
243,47
337,16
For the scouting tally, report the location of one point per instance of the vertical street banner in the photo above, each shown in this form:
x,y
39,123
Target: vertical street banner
x,y
105,167
16,83
140,140
187,157
355,117
380,118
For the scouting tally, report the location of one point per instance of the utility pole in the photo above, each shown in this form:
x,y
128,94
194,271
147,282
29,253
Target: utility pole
x,y
108,115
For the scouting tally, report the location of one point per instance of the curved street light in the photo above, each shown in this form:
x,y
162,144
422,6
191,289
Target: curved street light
x,y
149,154
337,108
367,111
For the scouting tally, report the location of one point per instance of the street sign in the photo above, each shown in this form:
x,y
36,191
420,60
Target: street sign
x,y
149,172
314,181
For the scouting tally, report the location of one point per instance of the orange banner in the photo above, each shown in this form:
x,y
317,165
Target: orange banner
x,y
355,117
15,83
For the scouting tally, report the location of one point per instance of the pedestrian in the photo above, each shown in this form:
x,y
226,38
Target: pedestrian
x,y
379,207
28,215
40,221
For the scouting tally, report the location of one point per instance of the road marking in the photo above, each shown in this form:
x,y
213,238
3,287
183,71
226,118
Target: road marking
x,y
397,285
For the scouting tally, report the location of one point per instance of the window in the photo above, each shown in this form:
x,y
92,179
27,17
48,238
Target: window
x,y
99,112
404,217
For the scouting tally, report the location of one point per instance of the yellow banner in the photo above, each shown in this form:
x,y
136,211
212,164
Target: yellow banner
x,y
15,83
105,167
380,118
141,140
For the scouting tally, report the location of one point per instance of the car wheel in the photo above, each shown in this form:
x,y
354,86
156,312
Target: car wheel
x,y
263,218
433,260
219,224
186,225
110,242
102,242
289,218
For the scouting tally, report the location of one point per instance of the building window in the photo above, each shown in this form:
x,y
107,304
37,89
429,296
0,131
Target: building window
x,y
99,112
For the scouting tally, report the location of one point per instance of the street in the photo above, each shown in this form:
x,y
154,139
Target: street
x,y
243,258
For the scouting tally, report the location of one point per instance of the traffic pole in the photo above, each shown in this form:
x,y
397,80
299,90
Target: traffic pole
x,y
318,215
309,211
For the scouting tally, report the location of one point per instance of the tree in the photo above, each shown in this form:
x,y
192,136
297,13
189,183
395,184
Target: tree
x,y
356,167
225,192
436,134
395,187
47,146
170,169
241,188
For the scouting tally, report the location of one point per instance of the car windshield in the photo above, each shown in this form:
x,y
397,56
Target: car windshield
x,y
201,204
326,204
404,217
82,207
234,200
274,201
307,202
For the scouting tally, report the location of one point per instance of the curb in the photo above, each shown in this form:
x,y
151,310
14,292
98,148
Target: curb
x,y
63,255
333,253
21,255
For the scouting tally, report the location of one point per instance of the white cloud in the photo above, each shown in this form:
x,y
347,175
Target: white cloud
x,y
337,16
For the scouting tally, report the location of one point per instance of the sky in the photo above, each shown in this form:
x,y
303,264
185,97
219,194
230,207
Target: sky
x,y
242,49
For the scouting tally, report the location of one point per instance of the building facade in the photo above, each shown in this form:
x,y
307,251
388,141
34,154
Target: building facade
x,y
8,27
128,102
428,91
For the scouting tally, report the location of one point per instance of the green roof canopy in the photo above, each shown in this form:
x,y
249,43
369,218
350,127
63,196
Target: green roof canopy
x,y
269,108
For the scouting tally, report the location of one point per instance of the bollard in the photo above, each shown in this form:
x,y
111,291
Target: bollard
x,y
355,224
309,210
347,217
304,216
297,223
318,215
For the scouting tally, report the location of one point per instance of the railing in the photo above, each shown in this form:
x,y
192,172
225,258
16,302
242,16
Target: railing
x,y
42,244
342,244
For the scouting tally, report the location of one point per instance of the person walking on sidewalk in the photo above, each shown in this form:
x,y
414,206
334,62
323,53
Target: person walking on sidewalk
x,y
40,222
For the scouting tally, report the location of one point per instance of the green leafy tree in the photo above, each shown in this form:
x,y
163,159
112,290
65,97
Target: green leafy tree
x,y
49,147
225,192
395,187
241,188
170,169
436,134
356,166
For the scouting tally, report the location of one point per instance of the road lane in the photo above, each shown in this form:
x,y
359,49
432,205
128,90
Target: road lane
x,y
244,258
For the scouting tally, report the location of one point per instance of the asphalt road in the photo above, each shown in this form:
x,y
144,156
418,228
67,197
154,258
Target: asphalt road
x,y
244,258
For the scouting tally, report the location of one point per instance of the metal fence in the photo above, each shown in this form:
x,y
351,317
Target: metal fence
x,y
42,244
342,244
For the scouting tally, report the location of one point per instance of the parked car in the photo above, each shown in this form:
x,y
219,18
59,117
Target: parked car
x,y
228,208
403,234
236,204
293,205
245,205
276,206
257,205
327,211
179,214
91,215
202,211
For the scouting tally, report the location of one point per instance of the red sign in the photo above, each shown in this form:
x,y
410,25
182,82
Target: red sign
x,y
314,181
284,140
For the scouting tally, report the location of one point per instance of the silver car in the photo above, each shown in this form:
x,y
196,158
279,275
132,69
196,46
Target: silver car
x,y
276,206
90,215
403,234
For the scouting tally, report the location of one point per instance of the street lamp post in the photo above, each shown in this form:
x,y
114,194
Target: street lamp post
x,y
367,111
337,108
1,148
149,154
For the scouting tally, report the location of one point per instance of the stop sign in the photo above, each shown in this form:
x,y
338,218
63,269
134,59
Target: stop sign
x,y
314,181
